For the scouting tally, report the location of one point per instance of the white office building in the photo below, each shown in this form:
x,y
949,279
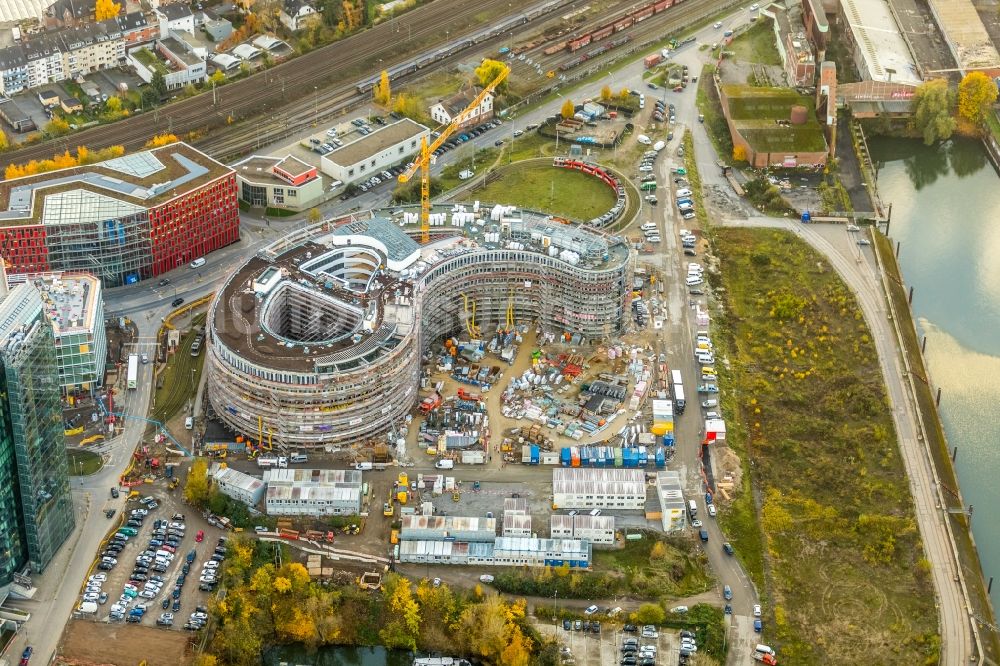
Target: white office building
x,y
234,483
372,154
598,488
595,529
313,492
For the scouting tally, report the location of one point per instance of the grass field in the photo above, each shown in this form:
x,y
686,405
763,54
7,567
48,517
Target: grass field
x,y
757,45
562,192
180,378
83,463
845,579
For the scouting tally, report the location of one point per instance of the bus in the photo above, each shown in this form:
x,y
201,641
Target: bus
x,y
675,379
133,370
648,186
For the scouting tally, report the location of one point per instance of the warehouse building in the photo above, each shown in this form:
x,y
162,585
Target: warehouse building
x,y
336,315
600,488
313,492
446,552
595,529
448,528
234,483
374,153
673,513
125,219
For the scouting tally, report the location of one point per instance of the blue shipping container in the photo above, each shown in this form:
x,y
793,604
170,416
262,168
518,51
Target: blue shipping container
x,y
565,457
535,455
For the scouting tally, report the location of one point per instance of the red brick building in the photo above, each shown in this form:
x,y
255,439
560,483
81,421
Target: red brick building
x,y
125,219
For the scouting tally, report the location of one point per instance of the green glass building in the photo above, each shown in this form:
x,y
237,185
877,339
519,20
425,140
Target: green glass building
x,y
36,506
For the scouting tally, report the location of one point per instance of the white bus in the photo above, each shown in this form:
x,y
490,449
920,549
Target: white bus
x,y
133,370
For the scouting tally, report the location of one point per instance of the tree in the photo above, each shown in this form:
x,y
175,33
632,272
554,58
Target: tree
x,y
190,90
488,72
196,490
382,92
649,614
606,93
4,142
331,13
932,111
623,94
402,626
568,110
406,105
976,95
114,104
739,153
314,215
57,127
218,78
106,9
159,84
161,140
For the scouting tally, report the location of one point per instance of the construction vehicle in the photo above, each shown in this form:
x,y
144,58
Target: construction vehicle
x,y
429,403
465,395
423,162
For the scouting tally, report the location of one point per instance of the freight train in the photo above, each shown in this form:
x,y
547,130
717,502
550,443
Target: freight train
x,y
613,26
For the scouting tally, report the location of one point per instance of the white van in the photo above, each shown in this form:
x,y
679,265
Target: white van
x,y
710,403
198,263
189,423
764,649
648,226
693,280
298,458
684,192
363,466
445,464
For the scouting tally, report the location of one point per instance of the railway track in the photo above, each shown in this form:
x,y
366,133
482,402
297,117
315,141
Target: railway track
x,y
345,61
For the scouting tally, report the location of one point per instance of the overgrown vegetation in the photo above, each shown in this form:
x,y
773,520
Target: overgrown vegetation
x,y
653,568
710,106
694,179
266,604
840,539
833,193
766,197
756,45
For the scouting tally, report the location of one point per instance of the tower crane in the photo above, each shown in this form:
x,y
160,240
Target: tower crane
x,y
423,162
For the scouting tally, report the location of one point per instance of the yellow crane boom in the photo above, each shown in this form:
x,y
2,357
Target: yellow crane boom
x,y
423,162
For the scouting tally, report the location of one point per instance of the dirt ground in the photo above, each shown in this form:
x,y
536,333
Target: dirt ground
x,y
89,642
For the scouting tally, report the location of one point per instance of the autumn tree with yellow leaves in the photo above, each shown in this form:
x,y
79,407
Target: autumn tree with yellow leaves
x,y
976,96
106,9
161,140
568,110
382,92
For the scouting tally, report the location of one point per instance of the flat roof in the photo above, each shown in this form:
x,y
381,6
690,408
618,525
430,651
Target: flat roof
x,y
964,31
374,143
294,166
71,301
257,169
234,477
123,185
881,44
13,112
341,478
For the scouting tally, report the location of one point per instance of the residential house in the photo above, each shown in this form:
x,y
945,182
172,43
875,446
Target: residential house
x,y
447,110
13,70
45,59
63,13
170,58
175,17
71,105
93,47
297,14
136,29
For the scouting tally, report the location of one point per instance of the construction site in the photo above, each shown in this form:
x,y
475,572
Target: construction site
x,y
317,340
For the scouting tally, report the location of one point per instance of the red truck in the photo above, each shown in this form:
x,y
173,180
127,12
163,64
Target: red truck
x,y
430,403
651,61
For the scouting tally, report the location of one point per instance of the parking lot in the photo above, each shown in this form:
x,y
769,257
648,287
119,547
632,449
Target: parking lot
x,y
137,595
606,648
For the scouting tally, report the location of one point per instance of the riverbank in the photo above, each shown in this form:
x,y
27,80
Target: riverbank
x,y
937,446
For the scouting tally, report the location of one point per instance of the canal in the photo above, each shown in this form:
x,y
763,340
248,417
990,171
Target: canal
x,y
297,655
946,216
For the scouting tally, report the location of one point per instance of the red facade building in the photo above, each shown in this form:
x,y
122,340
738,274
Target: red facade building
x,y
126,219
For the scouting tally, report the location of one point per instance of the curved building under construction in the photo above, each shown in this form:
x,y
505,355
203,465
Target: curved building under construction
x,y
317,339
